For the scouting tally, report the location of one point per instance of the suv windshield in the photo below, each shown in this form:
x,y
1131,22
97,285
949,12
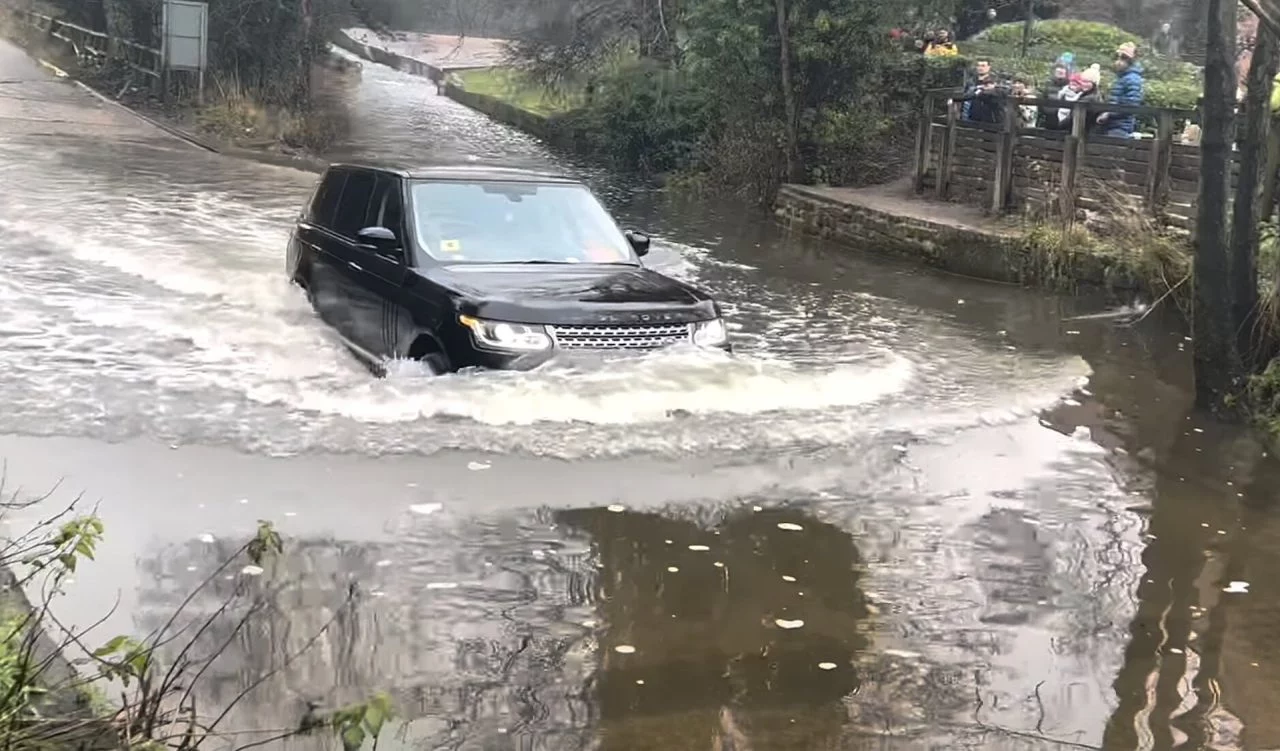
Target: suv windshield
x,y
515,222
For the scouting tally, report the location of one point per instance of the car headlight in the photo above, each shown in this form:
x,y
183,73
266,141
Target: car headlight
x,y
521,337
710,333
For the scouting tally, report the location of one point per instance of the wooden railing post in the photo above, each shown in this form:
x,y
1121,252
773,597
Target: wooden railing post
x,y
948,149
1004,158
1073,151
924,140
1161,158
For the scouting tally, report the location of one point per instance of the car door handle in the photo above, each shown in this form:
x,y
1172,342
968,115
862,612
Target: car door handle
x,y
355,266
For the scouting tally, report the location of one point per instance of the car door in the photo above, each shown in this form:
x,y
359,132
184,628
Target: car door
x,y
386,269
314,235
362,319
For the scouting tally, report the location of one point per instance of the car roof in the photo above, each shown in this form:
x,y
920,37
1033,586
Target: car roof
x,y
462,172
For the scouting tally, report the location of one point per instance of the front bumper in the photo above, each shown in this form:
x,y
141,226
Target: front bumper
x,y
521,361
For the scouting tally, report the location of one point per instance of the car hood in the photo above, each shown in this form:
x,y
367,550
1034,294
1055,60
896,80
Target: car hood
x,y
571,294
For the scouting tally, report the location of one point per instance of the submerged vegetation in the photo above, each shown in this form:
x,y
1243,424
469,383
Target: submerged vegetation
x,y
60,688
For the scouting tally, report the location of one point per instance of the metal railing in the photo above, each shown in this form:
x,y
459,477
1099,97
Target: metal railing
x,y
96,46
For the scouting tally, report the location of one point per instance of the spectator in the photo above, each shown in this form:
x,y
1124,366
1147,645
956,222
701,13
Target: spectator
x,y
985,105
1127,90
942,46
1027,113
1082,88
1163,42
1059,79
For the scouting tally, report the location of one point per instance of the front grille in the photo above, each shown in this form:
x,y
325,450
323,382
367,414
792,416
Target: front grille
x,y
636,336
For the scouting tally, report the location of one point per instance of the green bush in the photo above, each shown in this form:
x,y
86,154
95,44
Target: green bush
x,y
1182,94
640,115
1065,35
856,145
908,77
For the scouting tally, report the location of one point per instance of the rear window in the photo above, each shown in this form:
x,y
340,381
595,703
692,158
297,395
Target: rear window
x,y
385,209
354,205
325,202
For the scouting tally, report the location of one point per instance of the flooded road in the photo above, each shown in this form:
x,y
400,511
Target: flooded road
x,y
912,511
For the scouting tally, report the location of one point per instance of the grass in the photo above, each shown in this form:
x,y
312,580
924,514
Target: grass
x,y
1130,243
514,88
235,115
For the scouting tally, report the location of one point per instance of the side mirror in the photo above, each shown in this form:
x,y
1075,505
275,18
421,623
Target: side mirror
x,y
639,242
378,239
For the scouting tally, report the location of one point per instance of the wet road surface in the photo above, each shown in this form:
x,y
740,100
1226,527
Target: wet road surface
x,y
913,512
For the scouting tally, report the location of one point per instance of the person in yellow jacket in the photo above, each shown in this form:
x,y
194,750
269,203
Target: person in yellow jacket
x,y
942,46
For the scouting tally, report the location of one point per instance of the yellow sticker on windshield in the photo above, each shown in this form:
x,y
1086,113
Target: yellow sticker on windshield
x,y
450,246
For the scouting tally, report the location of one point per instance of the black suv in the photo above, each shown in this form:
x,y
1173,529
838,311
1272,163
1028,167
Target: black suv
x,y
473,266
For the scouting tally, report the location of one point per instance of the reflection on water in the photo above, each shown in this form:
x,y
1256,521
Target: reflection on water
x,y
610,629
742,634
1200,667
791,622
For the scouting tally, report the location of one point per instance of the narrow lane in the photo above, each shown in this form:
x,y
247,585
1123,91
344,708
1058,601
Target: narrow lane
x,y
865,522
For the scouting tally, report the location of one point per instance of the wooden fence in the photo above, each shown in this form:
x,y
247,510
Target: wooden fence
x,y
1005,167
95,46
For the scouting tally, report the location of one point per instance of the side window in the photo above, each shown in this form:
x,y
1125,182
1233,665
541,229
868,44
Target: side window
x,y
354,204
386,209
325,201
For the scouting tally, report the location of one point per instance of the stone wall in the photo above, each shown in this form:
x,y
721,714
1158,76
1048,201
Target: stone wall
x,y
390,59
982,254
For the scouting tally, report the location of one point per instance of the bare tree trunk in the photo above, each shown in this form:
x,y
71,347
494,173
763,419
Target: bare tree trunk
x,y
655,36
1250,188
1028,24
1216,356
304,56
788,93
119,23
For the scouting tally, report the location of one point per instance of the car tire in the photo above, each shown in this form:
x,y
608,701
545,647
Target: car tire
x,y
435,363
301,277
425,350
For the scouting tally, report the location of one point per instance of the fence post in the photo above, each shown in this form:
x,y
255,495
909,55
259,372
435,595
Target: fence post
x,y
1160,159
1004,157
924,140
1072,157
948,149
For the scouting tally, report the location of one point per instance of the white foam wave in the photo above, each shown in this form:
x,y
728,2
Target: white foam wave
x,y
705,256
1055,383
625,391
206,244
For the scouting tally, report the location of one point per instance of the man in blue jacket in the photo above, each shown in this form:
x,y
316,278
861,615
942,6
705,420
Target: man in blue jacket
x,y
1127,90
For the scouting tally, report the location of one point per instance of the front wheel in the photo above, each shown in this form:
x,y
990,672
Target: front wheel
x,y
426,350
435,363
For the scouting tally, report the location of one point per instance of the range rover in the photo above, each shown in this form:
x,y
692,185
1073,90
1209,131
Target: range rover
x,y
465,266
